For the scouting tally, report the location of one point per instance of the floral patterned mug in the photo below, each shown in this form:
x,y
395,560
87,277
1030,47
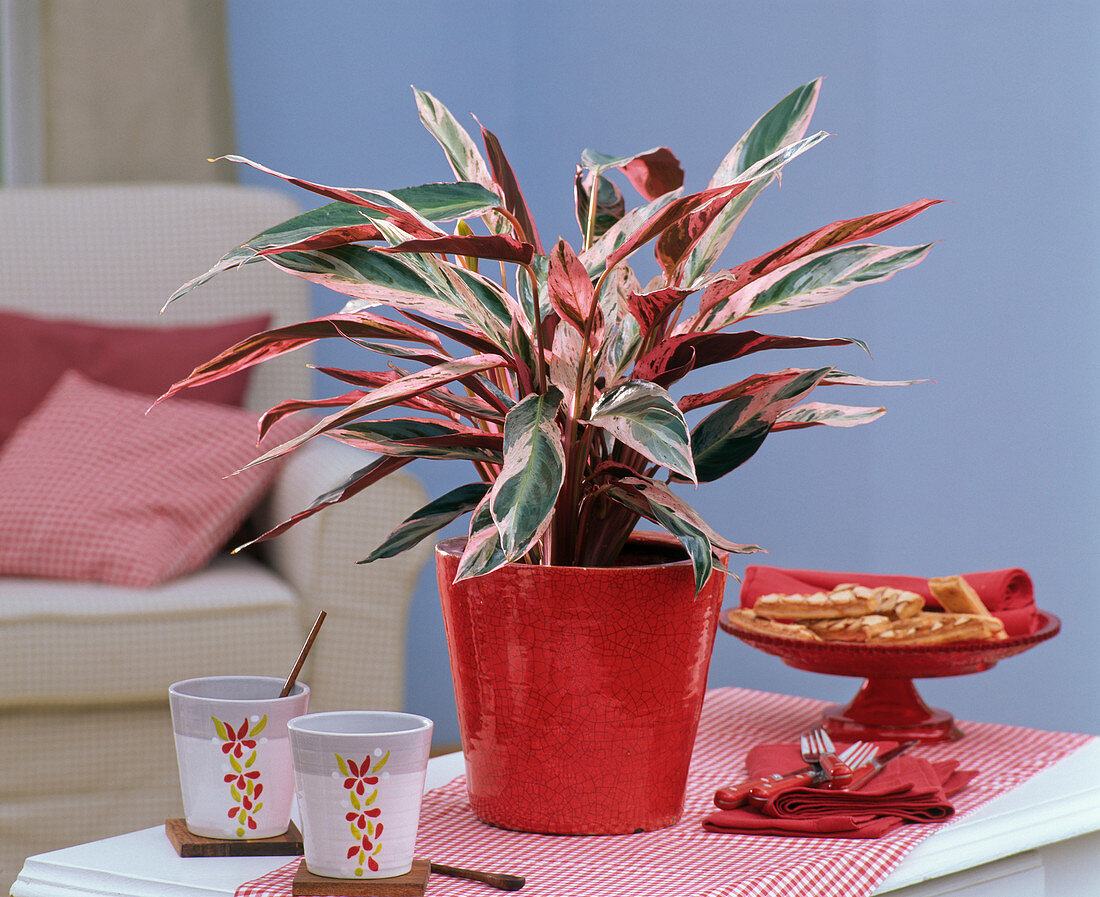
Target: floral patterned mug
x,y
360,779
233,753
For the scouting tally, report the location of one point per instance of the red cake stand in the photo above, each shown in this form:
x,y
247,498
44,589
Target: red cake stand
x,y
887,706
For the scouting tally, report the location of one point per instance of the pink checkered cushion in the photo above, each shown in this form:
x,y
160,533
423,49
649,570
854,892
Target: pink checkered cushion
x,y
95,489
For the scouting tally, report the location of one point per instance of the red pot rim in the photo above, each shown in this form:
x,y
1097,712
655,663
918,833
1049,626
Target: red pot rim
x,y
453,547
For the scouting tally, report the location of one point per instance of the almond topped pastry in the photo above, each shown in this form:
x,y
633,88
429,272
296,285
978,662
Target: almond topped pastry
x,y
745,618
842,602
879,615
850,629
937,628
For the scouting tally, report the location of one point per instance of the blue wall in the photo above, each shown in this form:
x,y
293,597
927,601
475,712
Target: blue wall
x,y
992,106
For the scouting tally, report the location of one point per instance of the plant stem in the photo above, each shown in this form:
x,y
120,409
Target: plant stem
x,y
540,360
593,194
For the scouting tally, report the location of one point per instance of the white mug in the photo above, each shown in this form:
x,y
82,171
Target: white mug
x,y
233,753
360,779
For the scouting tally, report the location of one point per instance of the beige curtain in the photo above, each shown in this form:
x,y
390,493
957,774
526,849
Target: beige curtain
x,y
134,90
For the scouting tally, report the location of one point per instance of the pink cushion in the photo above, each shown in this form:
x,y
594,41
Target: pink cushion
x,y
95,489
35,352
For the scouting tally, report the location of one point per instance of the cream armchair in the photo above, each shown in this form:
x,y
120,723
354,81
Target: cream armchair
x,y
86,746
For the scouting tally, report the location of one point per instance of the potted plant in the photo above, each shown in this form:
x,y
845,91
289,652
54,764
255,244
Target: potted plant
x,y
579,648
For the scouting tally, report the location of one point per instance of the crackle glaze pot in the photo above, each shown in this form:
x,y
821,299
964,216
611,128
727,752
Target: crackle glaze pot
x,y
579,689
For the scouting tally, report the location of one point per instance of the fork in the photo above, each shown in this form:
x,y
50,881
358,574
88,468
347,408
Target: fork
x,y
854,756
732,796
817,749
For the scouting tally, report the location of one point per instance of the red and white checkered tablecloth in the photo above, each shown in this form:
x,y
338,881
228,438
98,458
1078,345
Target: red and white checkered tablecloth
x,y
687,861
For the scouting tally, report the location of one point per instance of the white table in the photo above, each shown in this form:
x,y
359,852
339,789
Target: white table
x,y
1042,838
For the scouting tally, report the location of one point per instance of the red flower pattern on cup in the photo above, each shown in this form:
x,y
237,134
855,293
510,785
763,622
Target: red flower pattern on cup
x,y
361,784
244,782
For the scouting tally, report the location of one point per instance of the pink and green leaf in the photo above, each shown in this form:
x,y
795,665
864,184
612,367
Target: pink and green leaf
x,y
783,124
825,414
523,496
372,277
669,215
571,293
812,281
677,356
390,394
835,234
652,173
483,552
429,519
350,487
496,247
391,207
730,435
274,343
505,178
652,309
462,153
595,257
422,438
644,417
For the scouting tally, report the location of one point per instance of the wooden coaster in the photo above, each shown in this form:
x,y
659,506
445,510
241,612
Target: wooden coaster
x,y
188,844
412,884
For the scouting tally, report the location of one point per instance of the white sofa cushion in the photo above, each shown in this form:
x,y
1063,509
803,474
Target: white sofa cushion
x,y
89,643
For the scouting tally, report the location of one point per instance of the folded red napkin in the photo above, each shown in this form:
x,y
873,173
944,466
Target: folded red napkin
x,y
908,789
1008,594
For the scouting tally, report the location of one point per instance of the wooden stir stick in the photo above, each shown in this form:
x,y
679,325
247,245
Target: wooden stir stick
x,y
302,657
503,881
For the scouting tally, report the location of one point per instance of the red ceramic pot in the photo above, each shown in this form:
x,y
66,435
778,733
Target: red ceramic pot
x,y
579,689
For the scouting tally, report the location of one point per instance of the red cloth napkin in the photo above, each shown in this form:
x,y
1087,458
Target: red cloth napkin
x,y
908,789
1008,594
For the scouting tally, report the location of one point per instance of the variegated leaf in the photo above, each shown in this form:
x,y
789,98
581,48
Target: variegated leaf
x,y
762,389
567,358
669,215
595,257
834,234
429,519
483,553
816,280
657,493
783,124
449,200
523,496
372,277
273,343
390,394
652,309
610,205
652,173
644,416
415,437
351,486
729,436
571,294
656,502
839,378
506,180
694,540
438,401
496,247
677,356
622,339
711,226
462,153
824,414
393,209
